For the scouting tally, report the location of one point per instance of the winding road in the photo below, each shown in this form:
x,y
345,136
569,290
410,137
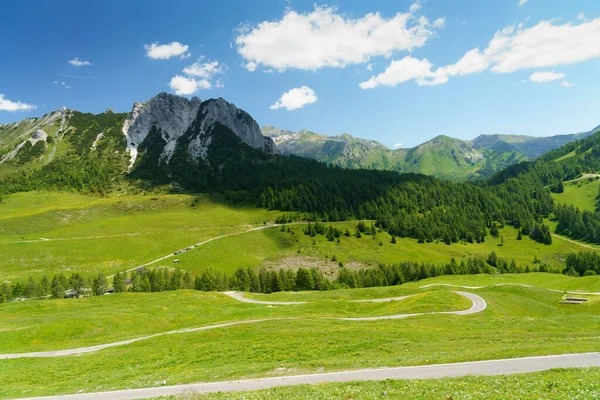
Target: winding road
x,y
510,284
490,367
478,305
436,371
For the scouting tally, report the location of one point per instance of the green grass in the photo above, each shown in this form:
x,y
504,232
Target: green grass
x,y
92,234
275,249
518,322
558,384
580,193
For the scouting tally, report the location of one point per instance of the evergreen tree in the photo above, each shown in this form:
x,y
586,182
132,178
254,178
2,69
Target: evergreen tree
x,y
99,285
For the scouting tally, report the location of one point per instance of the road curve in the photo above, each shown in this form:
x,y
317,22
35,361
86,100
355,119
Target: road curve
x,y
385,300
478,305
510,284
239,297
436,371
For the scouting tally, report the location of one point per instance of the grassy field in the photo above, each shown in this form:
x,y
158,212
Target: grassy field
x,y
519,321
581,193
558,384
63,232
275,249
90,234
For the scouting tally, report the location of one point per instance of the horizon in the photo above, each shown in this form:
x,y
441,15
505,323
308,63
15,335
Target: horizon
x,y
433,70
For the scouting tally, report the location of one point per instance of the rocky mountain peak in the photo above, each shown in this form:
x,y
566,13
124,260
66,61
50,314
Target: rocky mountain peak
x,y
173,116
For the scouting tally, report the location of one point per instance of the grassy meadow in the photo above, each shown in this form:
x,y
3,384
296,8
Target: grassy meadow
x,y
519,321
90,234
582,193
45,233
557,384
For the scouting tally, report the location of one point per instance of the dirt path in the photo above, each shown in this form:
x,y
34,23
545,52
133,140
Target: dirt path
x,y
574,242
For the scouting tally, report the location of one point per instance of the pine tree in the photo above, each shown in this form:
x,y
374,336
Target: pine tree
x,y
519,235
393,241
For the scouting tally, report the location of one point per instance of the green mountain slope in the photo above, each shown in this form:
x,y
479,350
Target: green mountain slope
x,y
442,156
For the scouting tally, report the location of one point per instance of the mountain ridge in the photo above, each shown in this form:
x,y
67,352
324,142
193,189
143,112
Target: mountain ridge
x,y
442,156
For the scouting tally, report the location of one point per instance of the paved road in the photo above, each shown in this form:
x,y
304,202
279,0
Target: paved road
x,y
512,284
491,367
240,297
385,300
89,349
478,305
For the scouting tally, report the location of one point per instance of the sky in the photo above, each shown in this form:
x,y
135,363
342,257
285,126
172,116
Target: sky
x,y
400,72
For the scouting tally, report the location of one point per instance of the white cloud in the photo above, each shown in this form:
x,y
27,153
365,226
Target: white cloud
x,y
416,6
403,70
325,38
567,84
546,76
199,76
165,51
370,67
398,145
544,45
295,98
204,70
63,84
186,86
11,106
439,23
78,63
511,49
582,17
522,2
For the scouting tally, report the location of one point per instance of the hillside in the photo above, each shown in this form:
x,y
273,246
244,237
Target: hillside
x,y
442,157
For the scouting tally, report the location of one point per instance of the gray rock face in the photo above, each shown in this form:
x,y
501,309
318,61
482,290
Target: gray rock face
x,y
239,121
174,115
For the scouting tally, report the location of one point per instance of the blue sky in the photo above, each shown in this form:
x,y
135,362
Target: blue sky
x,y
394,71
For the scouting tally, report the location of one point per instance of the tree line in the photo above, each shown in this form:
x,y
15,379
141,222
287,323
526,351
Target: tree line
x,y
269,281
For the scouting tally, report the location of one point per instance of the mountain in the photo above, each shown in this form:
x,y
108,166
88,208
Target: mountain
x,y
442,156
344,150
164,139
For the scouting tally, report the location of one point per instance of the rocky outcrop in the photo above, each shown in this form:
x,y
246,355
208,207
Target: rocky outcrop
x,y
173,116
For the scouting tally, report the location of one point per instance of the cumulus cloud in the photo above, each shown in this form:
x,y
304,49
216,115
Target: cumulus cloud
x,y
403,70
165,51
522,2
416,6
78,63
398,145
326,38
547,76
11,106
295,98
204,70
511,49
184,86
567,84
199,75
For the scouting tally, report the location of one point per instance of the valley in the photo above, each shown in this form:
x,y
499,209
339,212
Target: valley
x,y
163,247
